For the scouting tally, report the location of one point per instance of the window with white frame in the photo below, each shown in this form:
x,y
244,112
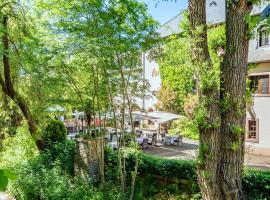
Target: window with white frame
x,y
263,36
252,130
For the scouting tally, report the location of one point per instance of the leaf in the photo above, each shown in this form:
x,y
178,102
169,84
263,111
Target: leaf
x,y
3,180
9,174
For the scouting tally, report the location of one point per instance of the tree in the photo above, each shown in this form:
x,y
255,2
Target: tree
x,y
99,55
11,21
222,124
175,61
167,99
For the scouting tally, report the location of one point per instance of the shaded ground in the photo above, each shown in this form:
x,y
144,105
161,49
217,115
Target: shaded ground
x,y
189,150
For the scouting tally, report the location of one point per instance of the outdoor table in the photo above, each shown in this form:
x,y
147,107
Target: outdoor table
x,y
140,139
169,139
113,145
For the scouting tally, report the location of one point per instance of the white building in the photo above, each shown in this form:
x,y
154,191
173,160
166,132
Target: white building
x,y
258,119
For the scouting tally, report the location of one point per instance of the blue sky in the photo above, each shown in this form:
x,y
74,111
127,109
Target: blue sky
x,y
165,10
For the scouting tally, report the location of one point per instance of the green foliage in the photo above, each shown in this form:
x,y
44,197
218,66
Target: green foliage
x,y
156,176
179,169
48,176
178,70
17,149
60,152
5,176
3,180
237,129
167,99
55,131
36,181
185,127
256,184
164,177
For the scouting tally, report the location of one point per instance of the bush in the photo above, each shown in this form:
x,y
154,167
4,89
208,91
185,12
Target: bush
x,y
156,175
36,181
164,177
176,169
61,152
55,131
190,104
256,184
47,176
186,127
17,149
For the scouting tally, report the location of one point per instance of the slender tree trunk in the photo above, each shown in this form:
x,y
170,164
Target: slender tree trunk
x,y
134,176
233,90
100,136
7,85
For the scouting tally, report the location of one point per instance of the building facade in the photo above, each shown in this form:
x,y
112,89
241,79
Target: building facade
x,y
258,115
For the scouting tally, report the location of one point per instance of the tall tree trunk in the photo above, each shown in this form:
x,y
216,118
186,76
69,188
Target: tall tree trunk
x,y
233,90
7,85
221,154
208,159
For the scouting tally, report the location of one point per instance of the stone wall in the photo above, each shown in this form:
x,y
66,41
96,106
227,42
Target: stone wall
x,y
87,159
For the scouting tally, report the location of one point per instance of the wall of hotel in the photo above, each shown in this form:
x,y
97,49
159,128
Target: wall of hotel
x,y
154,81
262,111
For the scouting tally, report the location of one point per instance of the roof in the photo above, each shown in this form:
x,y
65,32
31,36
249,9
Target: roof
x,y
160,117
56,108
171,27
215,14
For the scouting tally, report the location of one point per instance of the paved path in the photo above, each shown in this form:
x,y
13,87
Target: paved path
x,y
189,150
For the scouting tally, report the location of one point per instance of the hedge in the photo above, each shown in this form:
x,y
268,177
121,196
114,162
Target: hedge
x,y
256,183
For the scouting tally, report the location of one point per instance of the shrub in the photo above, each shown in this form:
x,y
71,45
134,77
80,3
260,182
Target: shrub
x,y
164,177
256,184
37,181
190,105
17,149
180,169
156,175
62,152
55,131
44,177
186,127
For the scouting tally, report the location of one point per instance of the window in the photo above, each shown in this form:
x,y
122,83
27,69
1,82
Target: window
x,y
155,72
260,84
252,130
263,36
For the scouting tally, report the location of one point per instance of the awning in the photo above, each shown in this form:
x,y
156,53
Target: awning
x,y
160,117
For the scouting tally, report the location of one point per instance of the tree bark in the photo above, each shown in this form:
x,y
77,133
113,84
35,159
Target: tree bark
x,y
208,160
233,90
221,153
7,85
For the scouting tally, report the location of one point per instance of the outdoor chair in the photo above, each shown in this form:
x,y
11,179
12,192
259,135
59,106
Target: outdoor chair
x,y
138,133
114,138
163,134
144,144
178,141
152,142
167,140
